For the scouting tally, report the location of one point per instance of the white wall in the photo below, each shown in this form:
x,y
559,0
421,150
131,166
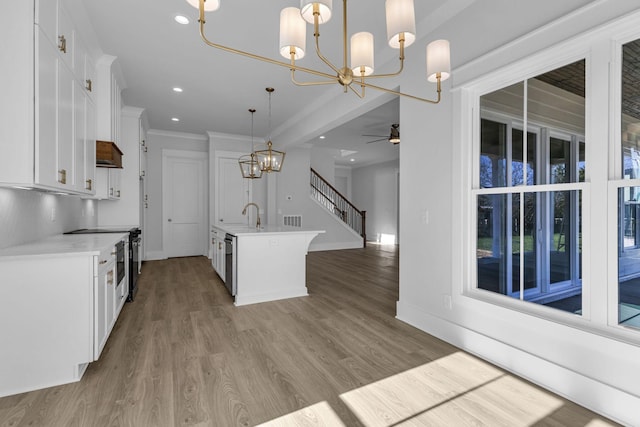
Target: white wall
x,y
293,198
577,358
156,142
375,190
343,180
26,216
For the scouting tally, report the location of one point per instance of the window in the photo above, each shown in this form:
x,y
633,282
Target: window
x,y
629,195
528,194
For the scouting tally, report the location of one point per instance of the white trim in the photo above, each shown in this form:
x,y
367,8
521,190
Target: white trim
x,y
155,256
334,246
592,394
182,135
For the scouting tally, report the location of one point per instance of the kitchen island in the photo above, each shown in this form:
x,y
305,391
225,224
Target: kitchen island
x,y
268,263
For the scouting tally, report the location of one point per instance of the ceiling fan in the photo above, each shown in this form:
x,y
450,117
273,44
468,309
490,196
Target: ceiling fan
x,y
394,135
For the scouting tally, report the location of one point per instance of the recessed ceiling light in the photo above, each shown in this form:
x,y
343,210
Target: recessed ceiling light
x,y
175,119
352,160
177,89
322,137
180,19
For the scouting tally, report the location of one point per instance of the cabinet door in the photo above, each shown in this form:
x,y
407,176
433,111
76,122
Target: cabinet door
x,y
115,180
66,37
79,146
101,327
47,19
90,147
65,143
45,114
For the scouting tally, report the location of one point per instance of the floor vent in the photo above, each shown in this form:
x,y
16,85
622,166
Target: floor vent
x,y
292,220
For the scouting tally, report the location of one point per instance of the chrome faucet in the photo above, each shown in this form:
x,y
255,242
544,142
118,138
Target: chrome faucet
x,y
244,212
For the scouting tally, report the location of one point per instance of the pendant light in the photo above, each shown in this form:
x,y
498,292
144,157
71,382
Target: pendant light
x,y
249,166
270,160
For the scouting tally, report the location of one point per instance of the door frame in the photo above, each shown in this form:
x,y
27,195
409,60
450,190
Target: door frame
x,y
202,157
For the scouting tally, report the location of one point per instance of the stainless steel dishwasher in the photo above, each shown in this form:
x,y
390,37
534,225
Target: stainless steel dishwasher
x,y
230,270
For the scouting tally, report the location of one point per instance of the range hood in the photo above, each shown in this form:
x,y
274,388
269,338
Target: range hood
x,y
108,155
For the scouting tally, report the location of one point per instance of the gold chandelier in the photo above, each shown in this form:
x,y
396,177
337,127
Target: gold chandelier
x,y
400,34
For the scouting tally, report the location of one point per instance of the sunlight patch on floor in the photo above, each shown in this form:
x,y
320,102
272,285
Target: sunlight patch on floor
x,y
320,415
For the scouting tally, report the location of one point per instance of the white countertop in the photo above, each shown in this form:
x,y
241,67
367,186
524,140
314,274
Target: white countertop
x,y
63,245
245,230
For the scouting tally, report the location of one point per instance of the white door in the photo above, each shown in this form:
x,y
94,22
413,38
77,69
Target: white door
x,y
232,191
184,193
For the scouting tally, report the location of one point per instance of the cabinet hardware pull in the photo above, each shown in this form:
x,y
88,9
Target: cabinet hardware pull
x,y
89,184
62,44
142,173
213,241
111,191
89,85
146,205
118,193
63,176
104,261
145,149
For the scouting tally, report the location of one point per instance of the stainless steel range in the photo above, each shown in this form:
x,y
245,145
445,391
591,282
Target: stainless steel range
x,y
135,236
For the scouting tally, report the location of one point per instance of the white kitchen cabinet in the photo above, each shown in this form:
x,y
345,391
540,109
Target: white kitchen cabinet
x,y
108,183
218,251
57,308
109,297
41,106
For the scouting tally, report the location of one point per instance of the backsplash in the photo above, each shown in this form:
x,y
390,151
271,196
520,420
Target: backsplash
x,y
26,216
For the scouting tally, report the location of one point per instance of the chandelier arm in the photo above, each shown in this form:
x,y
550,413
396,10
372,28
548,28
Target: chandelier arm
x,y
318,52
323,82
254,56
417,98
356,92
375,76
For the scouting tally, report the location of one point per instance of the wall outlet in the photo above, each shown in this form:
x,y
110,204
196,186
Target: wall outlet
x,y
289,197
446,301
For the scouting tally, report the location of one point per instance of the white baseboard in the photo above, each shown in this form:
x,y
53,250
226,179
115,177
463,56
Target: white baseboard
x,y
155,255
594,395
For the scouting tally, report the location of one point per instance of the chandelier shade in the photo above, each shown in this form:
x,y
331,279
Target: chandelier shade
x,y
209,5
324,10
362,53
401,22
293,33
357,75
438,61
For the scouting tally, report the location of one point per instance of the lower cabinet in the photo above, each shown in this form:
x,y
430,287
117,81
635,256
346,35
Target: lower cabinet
x,y
109,297
218,253
57,311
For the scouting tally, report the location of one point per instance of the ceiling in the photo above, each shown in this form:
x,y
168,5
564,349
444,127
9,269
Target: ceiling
x,y
156,54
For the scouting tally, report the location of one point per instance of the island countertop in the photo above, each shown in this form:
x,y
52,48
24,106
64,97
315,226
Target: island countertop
x,y
245,230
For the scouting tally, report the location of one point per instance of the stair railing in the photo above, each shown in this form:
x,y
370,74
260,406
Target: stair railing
x,y
336,203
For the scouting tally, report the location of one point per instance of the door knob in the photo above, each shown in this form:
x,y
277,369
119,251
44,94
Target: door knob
x,y
169,220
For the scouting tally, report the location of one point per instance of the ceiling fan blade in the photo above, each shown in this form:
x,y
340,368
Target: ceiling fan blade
x,y
377,136
378,140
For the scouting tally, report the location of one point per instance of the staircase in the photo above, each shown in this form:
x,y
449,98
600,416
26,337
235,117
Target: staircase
x,y
337,204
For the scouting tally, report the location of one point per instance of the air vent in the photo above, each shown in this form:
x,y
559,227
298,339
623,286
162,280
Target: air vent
x,y
292,220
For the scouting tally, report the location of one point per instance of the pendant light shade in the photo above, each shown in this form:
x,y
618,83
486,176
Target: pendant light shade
x,y
401,19
293,33
270,160
438,60
209,5
249,166
324,9
362,54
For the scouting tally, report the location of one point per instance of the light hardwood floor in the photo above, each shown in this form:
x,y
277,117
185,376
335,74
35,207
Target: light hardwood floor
x,y
183,355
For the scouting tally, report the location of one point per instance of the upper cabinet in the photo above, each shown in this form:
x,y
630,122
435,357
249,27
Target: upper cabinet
x,y
48,140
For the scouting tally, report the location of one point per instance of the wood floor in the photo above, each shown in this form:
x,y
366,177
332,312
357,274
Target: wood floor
x,y
183,355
